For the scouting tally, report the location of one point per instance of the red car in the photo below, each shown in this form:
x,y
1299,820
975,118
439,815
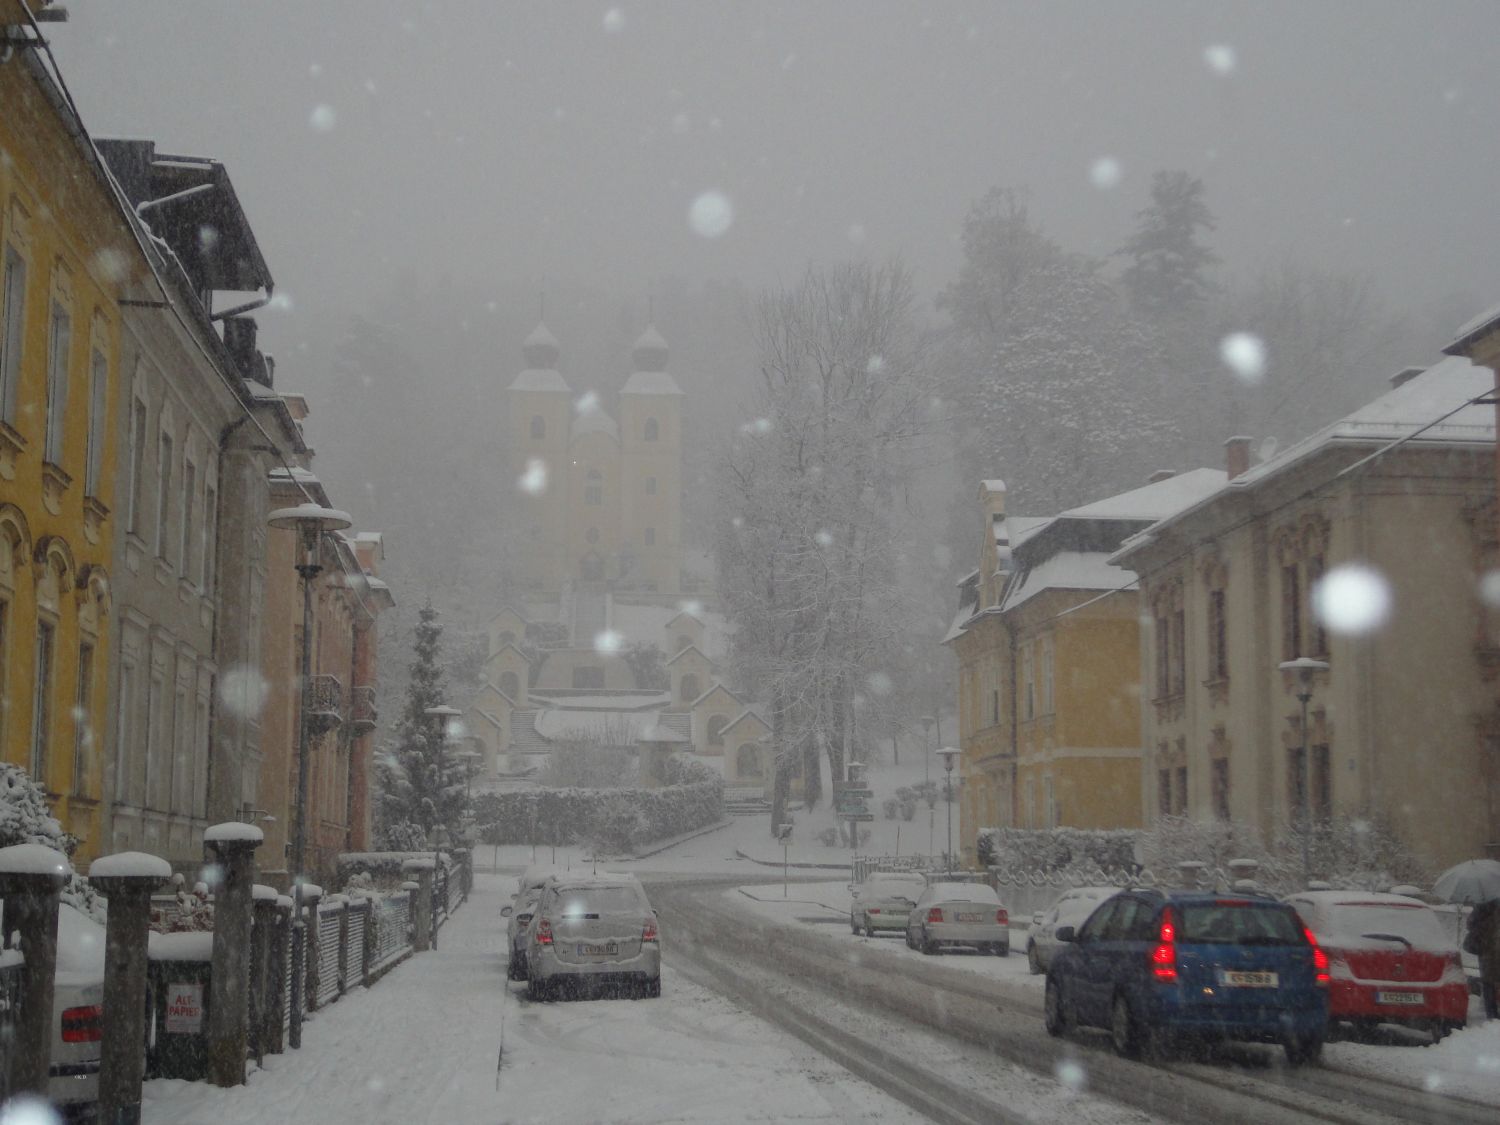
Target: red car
x,y
1389,959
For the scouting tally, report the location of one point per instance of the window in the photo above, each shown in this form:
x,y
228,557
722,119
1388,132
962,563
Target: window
x,y
1220,780
716,725
593,489
994,706
137,465
1291,613
83,735
1179,791
4,656
747,761
41,701
687,690
510,684
683,641
1179,652
1029,681
11,331
124,730
1322,783
155,700
189,481
650,536
1049,804
98,419
209,535
1164,792
163,494
505,638
538,427
182,745
1296,781
1162,634
588,676
651,431
59,340
1047,695
1218,648
650,486
1314,575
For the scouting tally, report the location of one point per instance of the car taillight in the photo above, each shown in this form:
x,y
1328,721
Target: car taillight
x,y
935,914
1002,918
873,910
1321,975
544,932
83,1025
648,933
1164,956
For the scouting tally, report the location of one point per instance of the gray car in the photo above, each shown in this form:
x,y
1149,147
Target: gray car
x,y
1072,909
518,914
593,929
883,900
951,914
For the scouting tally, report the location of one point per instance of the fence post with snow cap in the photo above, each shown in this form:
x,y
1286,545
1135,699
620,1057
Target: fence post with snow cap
x,y
421,869
312,899
231,848
127,880
31,879
263,934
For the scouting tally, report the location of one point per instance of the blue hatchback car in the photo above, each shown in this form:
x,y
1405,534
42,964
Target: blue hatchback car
x,y
1153,966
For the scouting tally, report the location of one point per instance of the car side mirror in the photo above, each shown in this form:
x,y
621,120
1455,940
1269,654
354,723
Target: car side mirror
x,y
1066,933
1036,919
505,911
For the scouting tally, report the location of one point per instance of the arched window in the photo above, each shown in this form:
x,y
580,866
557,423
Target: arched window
x,y
538,427
688,689
593,489
747,761
650,486
716,725
506,638
510,685
652,429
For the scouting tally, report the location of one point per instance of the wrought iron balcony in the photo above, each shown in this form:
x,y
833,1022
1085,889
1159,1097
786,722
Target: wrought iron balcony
x,y
327,710
362,709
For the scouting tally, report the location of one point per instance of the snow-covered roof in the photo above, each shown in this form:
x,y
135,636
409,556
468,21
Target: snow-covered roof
x,y
559,723
748,715
716,687
634,701
650,383
1067,570
957,630
658,733
1155,501
298,474
1021,528
593,420
690,648
540,379
993,485
1482,323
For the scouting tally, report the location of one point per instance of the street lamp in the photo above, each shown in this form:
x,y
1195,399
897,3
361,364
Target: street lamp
x,y
444,716
1304,667
949,756
311,522
927,721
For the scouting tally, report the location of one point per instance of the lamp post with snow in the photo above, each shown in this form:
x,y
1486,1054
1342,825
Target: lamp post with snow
x,y
444,716
1305,667
311,522
949,756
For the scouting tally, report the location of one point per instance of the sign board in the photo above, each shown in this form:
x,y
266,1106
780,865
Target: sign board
x,y
845,806
856,816
185,1008
861,793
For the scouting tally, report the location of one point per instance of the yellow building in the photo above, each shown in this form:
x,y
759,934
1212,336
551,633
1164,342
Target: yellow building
x,y
67,256
1047,641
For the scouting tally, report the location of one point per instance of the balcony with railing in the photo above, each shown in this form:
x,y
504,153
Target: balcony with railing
x,y
327,710
362,712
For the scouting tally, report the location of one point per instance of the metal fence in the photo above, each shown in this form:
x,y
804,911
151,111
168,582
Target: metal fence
x,y
393,930
10,998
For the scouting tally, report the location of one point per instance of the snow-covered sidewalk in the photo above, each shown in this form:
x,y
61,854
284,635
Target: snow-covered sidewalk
x,y
422,1048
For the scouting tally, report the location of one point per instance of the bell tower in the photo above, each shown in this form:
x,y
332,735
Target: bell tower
x,y
651,464
539,404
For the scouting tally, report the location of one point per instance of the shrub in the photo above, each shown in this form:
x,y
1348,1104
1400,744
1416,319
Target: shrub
x,y
889,806
626,817
829,837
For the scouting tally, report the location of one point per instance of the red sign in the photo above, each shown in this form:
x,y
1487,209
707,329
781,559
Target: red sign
x,y
184,1008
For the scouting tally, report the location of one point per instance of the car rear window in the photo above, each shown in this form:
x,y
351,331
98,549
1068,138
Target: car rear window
x,y
596,900
906,888
1352,923
1229,922
965,892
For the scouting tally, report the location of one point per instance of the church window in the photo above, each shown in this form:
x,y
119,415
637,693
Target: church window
x,y
506,638
650,486
592,535
688,690
683,640
510,685
716,725
652,430
651,537
538,427
593,489
747,761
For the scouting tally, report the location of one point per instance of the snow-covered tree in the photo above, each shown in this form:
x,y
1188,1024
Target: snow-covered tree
x,y
1166,277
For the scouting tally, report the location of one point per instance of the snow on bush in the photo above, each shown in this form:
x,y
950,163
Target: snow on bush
x,y
1056,849
25,819
379,871
618,820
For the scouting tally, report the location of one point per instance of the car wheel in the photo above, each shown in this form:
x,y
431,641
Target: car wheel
x,y
869,929
1124,1029
1001,949
1302,1049
853,924
652,988
1033,959
929,947
1055,1010
910,941
538,990
517,968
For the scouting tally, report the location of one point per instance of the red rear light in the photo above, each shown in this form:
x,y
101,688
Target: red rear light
x,y
1002,918
543,932
1321,975
83,1025
649,932
935,914
1164,956
873,910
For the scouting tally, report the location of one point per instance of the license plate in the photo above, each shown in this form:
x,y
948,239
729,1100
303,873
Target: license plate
x,y
609,949
1399,998
1238,979
971,917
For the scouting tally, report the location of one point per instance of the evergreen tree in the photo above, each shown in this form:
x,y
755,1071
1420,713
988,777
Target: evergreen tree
x,y
1166,275
411,799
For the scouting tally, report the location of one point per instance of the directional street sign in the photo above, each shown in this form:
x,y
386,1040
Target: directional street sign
x,y
857,816
839,794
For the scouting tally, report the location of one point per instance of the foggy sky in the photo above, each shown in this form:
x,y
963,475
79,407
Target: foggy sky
x,y
476,140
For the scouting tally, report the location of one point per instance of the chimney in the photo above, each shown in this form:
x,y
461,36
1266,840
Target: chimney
x,y
1161,475
1236,456
1405,375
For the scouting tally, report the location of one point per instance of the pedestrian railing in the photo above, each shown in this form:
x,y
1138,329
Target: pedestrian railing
x,y
12,966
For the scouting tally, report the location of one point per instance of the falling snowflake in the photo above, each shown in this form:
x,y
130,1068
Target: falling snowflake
x,y
323,118
1352,599
1220,58
1244,353
608,641
242,691
1105,173
534,479
711,214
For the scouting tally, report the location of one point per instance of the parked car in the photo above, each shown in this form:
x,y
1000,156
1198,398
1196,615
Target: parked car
x,y
77,1013
1072,909
948,914
884,899
593,929
1390,961
518,914
1153,966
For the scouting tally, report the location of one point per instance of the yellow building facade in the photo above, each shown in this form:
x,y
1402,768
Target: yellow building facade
x,y
67,256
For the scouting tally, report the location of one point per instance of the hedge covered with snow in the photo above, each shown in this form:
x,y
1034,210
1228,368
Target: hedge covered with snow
x,y
378,870
1056,849
618,820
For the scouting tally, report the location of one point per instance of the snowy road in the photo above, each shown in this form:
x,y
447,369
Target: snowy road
x,y
869,989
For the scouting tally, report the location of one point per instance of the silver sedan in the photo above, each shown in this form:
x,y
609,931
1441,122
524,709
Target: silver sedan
x,y
959,914
883,900
1070,910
